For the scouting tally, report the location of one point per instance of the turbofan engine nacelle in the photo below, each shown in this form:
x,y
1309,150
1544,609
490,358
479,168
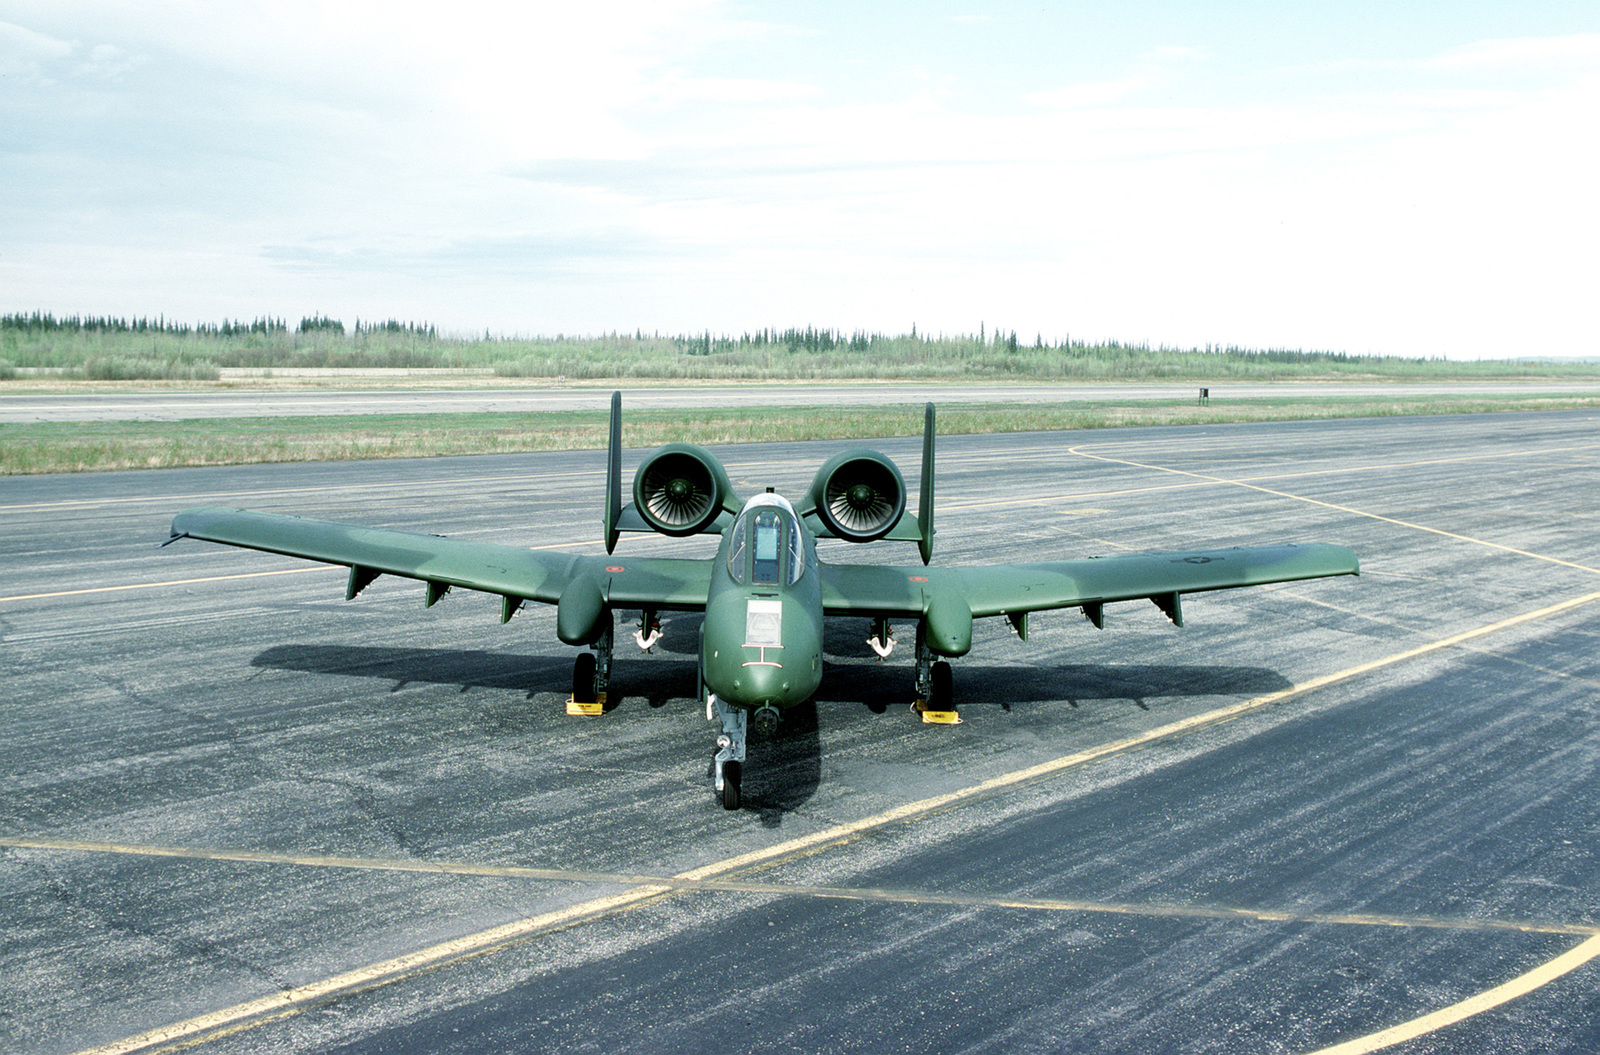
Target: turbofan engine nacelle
x,y
859,495
680,489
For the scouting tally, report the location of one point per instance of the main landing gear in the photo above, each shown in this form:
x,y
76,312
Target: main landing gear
x,y
591,671
935,686
591,675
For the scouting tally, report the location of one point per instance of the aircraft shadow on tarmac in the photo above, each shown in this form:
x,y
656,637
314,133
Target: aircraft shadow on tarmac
x,y
656,681
854,675
786,770
881,686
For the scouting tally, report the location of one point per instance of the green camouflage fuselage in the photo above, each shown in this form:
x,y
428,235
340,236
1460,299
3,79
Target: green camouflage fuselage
x,y
762,642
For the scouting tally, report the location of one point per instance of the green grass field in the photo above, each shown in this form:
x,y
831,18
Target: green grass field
x,y
93,446
41,354
120,350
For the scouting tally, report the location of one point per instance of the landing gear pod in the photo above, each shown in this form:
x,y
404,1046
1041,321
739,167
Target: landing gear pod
x,y
859,496
680,489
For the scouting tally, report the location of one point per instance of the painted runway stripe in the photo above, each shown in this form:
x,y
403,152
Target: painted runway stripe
x,y
1164,732
1203,480
291,1001
954,457
1343,509
365,485
1199,481
229,578
677,884
1463,459
171,582
278,1005
1521,985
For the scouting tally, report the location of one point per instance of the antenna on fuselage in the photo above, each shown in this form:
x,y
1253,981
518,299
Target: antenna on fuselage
x,y
925,502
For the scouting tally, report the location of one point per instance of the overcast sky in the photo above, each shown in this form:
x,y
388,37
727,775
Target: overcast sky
x,y
1412,178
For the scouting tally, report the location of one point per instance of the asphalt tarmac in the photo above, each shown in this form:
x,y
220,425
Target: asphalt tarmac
x,y
240,814
180,404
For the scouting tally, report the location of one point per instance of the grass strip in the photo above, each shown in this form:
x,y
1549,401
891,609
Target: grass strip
x,y
68,447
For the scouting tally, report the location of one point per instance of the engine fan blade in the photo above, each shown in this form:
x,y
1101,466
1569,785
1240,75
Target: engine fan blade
x,y
858,506
674,498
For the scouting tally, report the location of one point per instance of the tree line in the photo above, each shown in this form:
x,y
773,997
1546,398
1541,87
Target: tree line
x,y
44,322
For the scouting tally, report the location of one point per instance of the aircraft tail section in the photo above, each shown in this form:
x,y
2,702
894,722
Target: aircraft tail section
x,y
921,531
681,489
925,502
614,474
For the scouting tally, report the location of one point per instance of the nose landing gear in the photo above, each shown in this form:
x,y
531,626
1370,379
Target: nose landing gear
x,y
728,763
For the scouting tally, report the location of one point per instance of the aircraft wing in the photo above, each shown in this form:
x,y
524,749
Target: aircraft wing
x,y
1016,589
516,574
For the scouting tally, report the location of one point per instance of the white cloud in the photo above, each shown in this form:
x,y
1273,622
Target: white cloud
x,y
678,165
36,58
1544,55
1159,69
29,57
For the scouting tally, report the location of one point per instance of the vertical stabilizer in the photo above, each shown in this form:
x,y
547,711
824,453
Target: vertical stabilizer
x,y
925,503
614,474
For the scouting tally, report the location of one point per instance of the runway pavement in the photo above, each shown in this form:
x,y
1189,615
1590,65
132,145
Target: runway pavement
x,y
241,812
177,405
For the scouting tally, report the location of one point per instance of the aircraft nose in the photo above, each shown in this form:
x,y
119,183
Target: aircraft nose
x,y
763,683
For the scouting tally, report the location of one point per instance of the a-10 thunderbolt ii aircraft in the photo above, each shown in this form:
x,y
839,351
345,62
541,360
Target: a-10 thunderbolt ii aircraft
x,y
766,593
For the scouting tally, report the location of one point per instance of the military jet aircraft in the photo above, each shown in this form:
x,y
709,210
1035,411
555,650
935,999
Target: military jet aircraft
x,y
766,593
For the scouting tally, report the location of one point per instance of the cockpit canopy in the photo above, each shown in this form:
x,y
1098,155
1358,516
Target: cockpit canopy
x,y
766,548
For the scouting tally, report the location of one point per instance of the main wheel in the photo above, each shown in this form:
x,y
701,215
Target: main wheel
x,y
941,687
730,785
583,669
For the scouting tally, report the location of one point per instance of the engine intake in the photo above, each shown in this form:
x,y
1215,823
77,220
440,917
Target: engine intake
x,y
859,495
680,488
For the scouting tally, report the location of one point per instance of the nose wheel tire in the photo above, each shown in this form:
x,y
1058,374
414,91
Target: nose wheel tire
x,y
730,785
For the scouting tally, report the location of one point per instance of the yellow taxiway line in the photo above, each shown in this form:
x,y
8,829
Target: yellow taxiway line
x,y
1245,483
291,1001
904,896
229,578
288,1002
171,582
212,497
1521,985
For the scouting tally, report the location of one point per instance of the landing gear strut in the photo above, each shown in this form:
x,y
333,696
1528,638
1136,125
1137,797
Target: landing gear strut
x,y
924,662
728,763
